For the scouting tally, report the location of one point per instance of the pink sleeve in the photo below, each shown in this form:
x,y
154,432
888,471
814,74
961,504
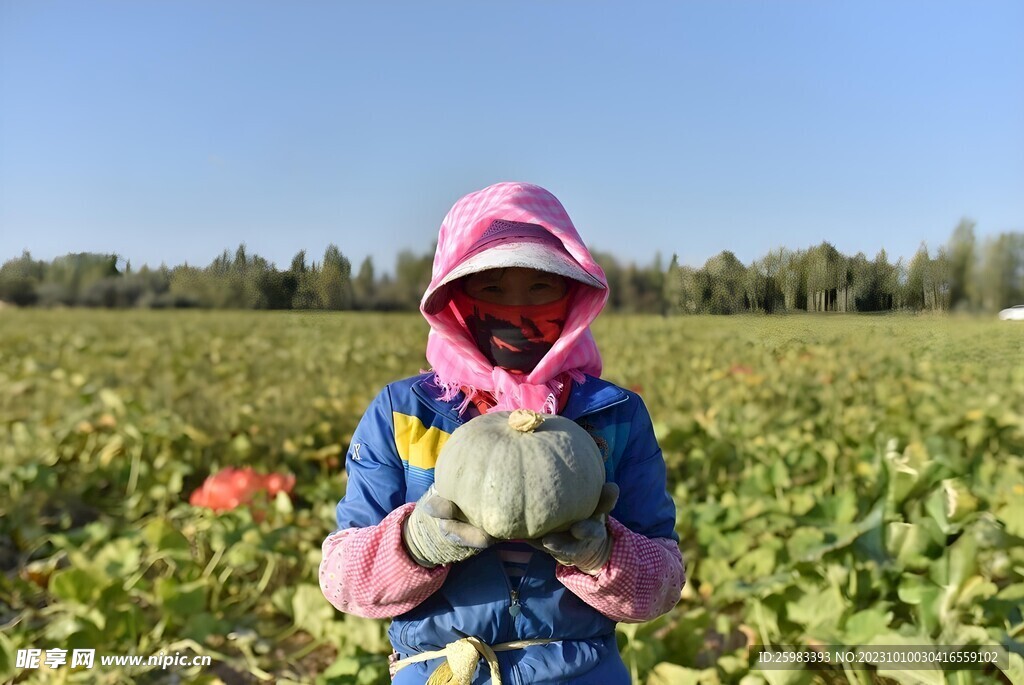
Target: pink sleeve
x,y
368,572
641,581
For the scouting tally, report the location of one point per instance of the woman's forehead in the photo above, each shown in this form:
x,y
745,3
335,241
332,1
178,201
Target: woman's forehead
x,y
512,272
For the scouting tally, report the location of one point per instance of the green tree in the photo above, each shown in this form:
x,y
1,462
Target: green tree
x,y
334,282
1001,278
190,283
873,284
694,290
863,283
364,287
792,281
962,265
641,288
616,279
939,281
886,281
727,277
651,284
764,283
918,281
824,266
68,277
20,279
671,299
305,295
412,276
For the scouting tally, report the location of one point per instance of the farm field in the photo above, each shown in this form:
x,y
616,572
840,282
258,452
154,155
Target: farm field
x,y
840,480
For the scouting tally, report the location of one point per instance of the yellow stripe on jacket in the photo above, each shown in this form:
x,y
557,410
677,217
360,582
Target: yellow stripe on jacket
x,y
417,444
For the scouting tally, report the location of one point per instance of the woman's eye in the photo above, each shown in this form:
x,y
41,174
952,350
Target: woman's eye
x,y
540,286
491,289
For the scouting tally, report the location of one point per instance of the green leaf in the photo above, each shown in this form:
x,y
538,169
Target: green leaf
x,y
797,675
753,679
1007,602
803,540
960,502
756,563
963,561
925,596
674,674
71,631
975,590
181,599
310,610
241,445
912,677
862,626
776,583
111,400
817,607
1012,516
1015,669
801,502
119,558
283,503
935,505
1012,593
125,620
161,534
7,658
842,507
902,479
282,598
729,545
780,475
76,585
909,544
342,666
203,624
243,554
369,634
732,664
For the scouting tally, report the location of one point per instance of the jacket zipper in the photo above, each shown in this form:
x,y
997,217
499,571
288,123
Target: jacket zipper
x,y
515,608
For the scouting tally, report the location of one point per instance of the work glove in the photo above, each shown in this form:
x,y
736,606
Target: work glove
x,y
587,544
434,534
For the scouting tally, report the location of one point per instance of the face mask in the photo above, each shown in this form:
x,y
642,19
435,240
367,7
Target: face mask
x,y
514,337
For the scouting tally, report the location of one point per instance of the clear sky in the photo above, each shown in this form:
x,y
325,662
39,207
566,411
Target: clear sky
x,y
169,131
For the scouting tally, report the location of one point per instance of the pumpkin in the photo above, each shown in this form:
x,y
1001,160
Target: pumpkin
x,y
520,474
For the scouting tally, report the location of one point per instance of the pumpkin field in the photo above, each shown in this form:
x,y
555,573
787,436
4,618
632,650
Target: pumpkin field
x,y
839,480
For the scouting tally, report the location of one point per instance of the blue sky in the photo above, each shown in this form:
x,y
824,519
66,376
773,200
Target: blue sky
x,y
169,131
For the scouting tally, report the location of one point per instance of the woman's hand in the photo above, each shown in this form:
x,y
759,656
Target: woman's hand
x,y
586,545
434,535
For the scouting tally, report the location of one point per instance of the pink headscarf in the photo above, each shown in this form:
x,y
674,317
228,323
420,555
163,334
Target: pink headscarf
x,y
455,359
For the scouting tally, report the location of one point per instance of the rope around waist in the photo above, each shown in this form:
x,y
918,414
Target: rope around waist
x,y
461,657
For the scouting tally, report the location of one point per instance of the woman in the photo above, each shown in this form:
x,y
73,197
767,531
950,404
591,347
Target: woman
x,y
513,293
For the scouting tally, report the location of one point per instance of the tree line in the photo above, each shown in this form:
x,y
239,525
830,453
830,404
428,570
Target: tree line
x,y
963,274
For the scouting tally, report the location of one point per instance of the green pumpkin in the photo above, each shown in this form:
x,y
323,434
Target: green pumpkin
x,y
520,474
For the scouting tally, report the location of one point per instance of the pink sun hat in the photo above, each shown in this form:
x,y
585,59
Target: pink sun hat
x,y
508,244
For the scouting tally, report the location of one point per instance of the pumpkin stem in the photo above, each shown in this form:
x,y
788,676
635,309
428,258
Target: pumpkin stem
x,y
525,420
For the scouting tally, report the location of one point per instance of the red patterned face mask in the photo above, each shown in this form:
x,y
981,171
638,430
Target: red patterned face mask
x,y
514,337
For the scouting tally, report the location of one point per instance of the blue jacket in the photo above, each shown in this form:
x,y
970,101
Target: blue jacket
x,y
391,462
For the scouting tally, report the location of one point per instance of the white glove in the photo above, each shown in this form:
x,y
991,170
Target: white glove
x,y
587,544
434,535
